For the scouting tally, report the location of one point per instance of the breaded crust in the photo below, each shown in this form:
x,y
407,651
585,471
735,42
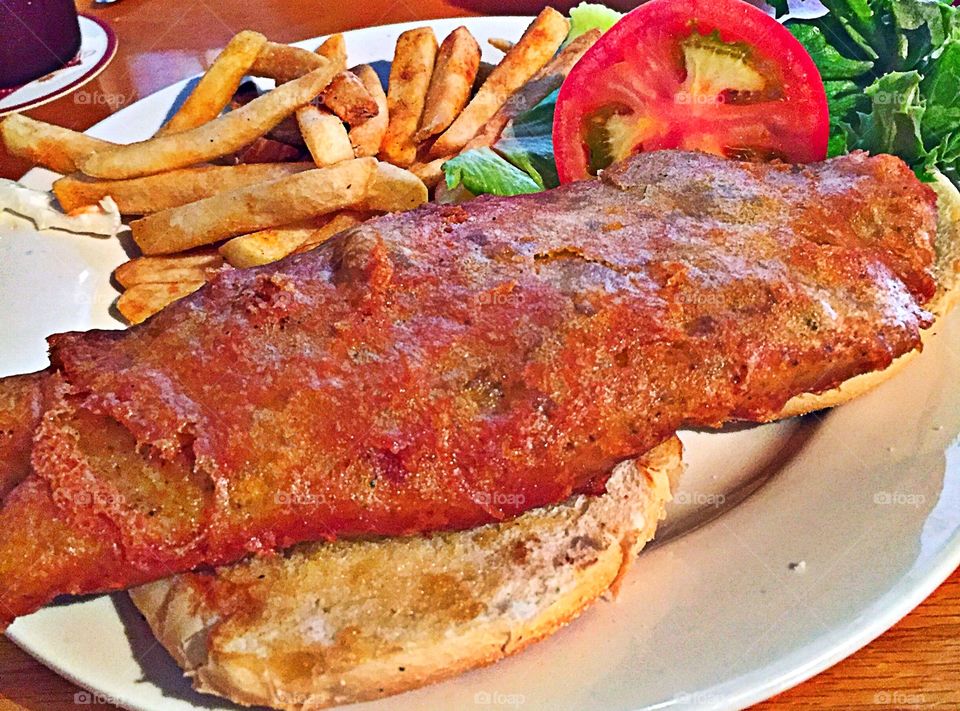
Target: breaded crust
x,y
351,621
947,274
536,340
21,398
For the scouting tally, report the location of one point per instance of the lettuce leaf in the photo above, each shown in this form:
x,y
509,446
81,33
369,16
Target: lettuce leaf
x,y
527,142
590,16
893,123
522,160
845,98
829,61
523,156
891,71
939,89
481,171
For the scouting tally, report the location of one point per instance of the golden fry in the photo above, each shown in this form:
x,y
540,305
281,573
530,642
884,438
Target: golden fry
x,y
550,77
430,172
451,84
349,99
47,145
152,193
410,76
197,265
142,301
218,85
394,189
224,135
255,207
334,48
285,63
504,45
533,51
325,136
367,136
268,245
338,222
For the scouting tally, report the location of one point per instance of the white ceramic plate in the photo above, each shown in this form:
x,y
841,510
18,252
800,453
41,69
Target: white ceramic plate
x,y
866,498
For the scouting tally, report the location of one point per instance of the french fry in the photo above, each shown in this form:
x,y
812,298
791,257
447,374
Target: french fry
x,y
550,77
152,193
410,76
504,45
430,172
334,48
287,131
325,136
142,301
194,266
451,83
349,99
367,136
217,86
338,222
533,51
223,135
285,63
47,145
394,189
255,207
268,245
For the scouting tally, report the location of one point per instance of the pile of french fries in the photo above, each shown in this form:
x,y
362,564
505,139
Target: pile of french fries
x,y
283,171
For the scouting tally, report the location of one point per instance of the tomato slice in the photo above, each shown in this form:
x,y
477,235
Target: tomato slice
x,y
718,76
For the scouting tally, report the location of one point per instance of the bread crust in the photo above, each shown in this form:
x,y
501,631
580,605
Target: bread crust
x,y
352,621
947,274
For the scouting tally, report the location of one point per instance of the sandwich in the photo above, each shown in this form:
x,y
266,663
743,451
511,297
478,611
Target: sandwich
x,y
506,382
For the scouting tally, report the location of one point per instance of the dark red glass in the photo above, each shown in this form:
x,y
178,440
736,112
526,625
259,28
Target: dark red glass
x,y
36,37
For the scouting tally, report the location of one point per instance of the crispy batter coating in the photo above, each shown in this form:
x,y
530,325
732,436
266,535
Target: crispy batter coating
x,y
21,401
457,365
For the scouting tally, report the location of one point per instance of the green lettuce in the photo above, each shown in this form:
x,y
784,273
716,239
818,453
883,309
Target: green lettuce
x,y
522,160
939,89
481,171
591,16
527,142
830,62
891,70
893,123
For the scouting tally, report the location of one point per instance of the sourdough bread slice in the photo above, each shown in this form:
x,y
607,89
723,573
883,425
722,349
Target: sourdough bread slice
x,y
335,623
947,273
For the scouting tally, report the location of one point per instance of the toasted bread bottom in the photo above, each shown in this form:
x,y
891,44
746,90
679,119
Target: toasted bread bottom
x,y
355,620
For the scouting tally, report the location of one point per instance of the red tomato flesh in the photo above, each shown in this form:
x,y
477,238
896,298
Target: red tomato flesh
x,y
718,76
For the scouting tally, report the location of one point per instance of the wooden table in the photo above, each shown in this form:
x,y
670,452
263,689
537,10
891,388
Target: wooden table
x,y
915,664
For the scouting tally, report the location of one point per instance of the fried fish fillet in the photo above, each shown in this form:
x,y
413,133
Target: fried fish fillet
x,y
21,399
457,365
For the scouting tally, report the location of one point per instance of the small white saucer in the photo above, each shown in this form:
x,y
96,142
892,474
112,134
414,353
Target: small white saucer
x,y
98,45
